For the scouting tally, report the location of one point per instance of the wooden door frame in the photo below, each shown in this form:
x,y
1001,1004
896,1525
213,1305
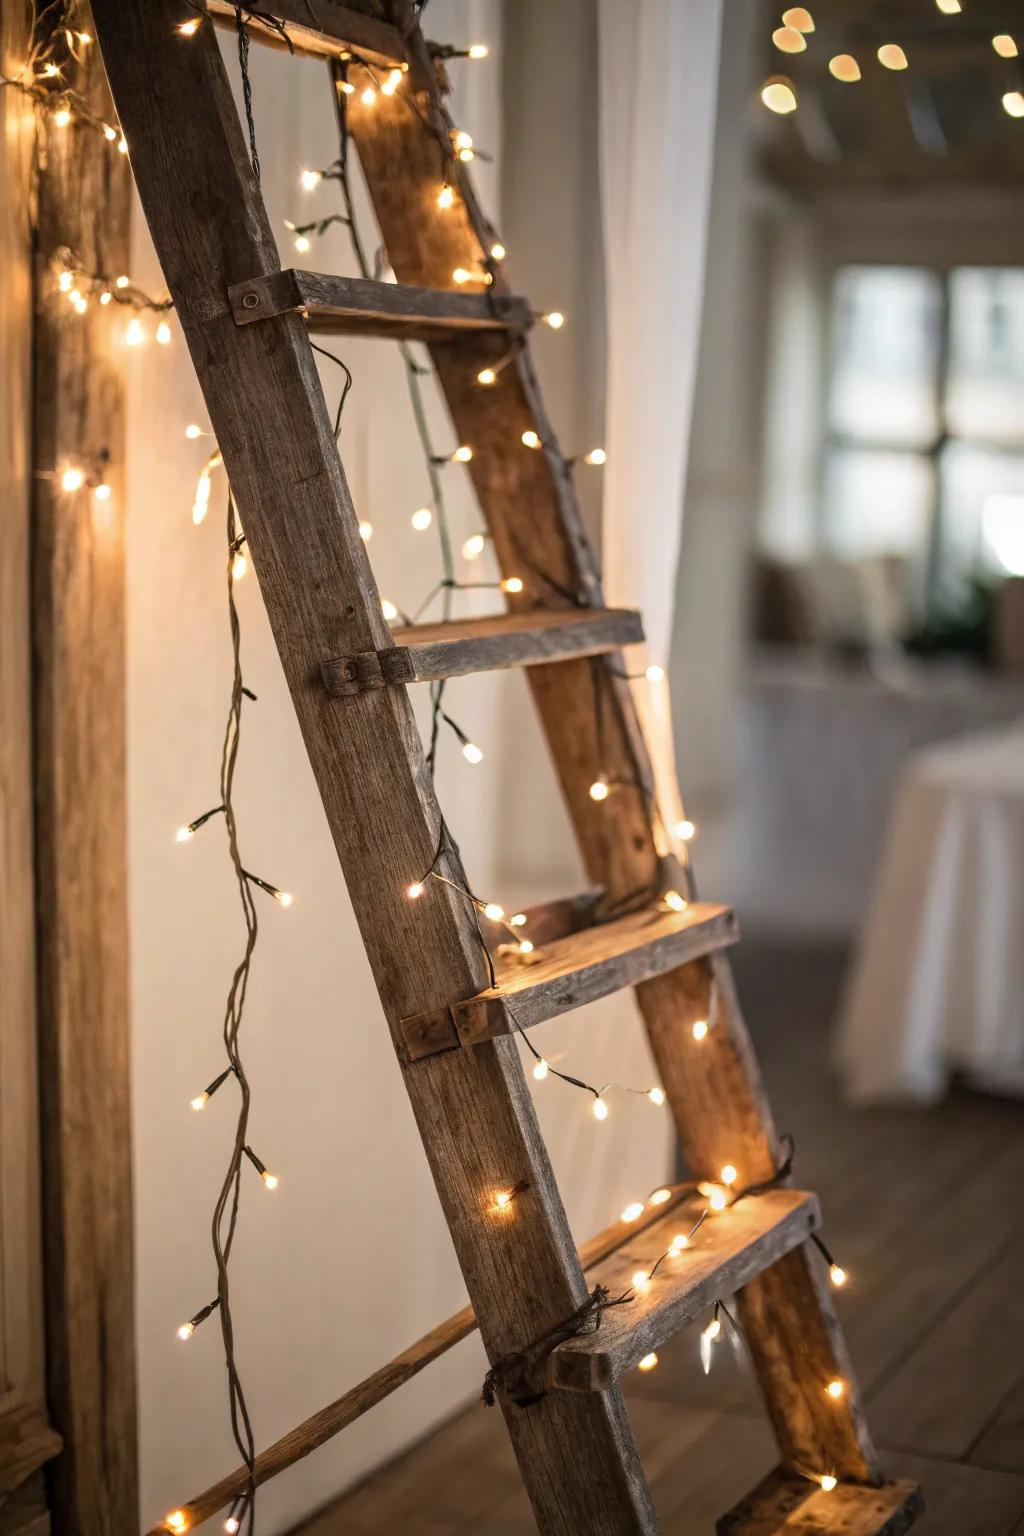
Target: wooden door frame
x,y
63,856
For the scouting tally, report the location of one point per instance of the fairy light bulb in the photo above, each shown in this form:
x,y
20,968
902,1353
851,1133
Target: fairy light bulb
x,y
659,1196
789,40
366,532
655,674
648,1362
1005,45
462,455
110,134
186,1331
478,50
460,275
799,18
472,753
487,376
192,431
599,1108
835,1389
518,920
679,1242
388,609
446,197
498,252
415,891
239,566
61,118
640,1281
462,140
656,1096
892,56
1013,104
632,1211
778,95
715,1195
526,946
729,1175
540,1070
270,1179
513,584
700,1029
72,479
554,318
135,335
599,789
285,899
233,1523
200,1102
844,67
502,1200
493,911
685,830
103,491
422,519
828,1482
201,501
596,457
369,96
163,334
105,297
391,84
66,281
674,901
949,7
713,1328
837,1274
122,145
176,1521
302,244
530,439
346,87
122,281
189,28
308,180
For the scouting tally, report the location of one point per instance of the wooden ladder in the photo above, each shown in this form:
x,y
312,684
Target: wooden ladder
x,y
247,325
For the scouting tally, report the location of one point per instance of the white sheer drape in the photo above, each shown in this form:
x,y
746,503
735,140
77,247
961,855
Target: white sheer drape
x,y
658,88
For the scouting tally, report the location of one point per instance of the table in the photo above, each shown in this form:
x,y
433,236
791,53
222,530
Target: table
x,y
938,981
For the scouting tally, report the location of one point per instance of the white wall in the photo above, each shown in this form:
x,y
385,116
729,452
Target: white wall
x,y
349,1261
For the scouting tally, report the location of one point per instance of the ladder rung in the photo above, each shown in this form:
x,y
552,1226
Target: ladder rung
x,y
423,652
727,1252
574,970
323,31
784,1504
358,306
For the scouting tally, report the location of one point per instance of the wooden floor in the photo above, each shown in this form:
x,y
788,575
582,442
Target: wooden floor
x,y
925,1209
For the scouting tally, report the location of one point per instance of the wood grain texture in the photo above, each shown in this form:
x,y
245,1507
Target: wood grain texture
x,y
24,1513
568,972
79,741
725,1254
527,497
422,652
338,28
27,1443
356,306
267,410
787,1505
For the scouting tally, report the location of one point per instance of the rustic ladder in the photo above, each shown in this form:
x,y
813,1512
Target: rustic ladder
x,y
246,323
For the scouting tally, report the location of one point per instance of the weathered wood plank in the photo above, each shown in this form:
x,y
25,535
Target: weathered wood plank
x,y
785,1504
356,306
267,410
426,651
27,1443
727,1252
337,28
716,1095
81,856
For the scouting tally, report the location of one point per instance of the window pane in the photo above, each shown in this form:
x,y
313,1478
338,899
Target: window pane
x,y
982,513
985,398
877,502
887,331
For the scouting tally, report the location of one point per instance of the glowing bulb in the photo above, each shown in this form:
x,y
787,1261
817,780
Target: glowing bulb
x,y
540,1070
700,1029
366,532
346,87
122,145
655,674
948,7
103,491
526,946
445,197
310,179
176,1521
673,900
713,1329
135,335
778,95
685,830
632,1211
106,296
1005,46
487,376
472,753
656,1095
502,1200
66,282
286,899
192,431
835,1389
202,498
389,610
72,479
392,83
648,1362
844,67
415,890
498,252
1013,104
422,519
368,97
121,282
600,1109
837,1274
789,40
460,275
679,1242
232,1524
462,455
494,912
49,70
891,56
200,1102
716,1196
798,18
828,1482
239,566
518,920
163,334
189,28
530,439
599,789
462,139
110,134
554,318
641,1280
478,50
659,1196
513,584
302,244
61,118
596,456
183,834
270,1179
729,1174
473,547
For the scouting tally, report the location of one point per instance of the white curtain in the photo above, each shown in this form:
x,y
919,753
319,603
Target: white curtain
x,y
658,76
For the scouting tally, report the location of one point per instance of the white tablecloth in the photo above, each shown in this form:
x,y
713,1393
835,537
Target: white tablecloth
x,y
938,983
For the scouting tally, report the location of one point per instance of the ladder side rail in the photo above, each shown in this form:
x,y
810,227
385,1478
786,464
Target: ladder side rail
x,y
715,1091
262,391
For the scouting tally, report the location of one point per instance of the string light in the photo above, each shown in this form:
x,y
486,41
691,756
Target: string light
x,y
656,1096
835,1389
487,376
530,439
779,95
422,519
844,67
478,51
554,319
540,1070
185,833
837,1274
163,334
675,902
641,1281
310,180
599,1108
236,1514
366,532
596,457
828,1482
283,898
700,1029
949,7
189,28
391,84
1013,104
789,40
186,1330
661,1194
892,56
472,753
135,335
103,491
201,1100
798,18
446,197
415,891
462,455
632,1211
270,1179
1005,46
176,1521
72,479
473,548
512,584
648,1362
369,97
599,790
493,911
728,1174
464,275
685,830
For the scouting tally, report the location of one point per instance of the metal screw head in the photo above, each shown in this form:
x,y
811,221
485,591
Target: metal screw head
x,y
250,300
348,671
